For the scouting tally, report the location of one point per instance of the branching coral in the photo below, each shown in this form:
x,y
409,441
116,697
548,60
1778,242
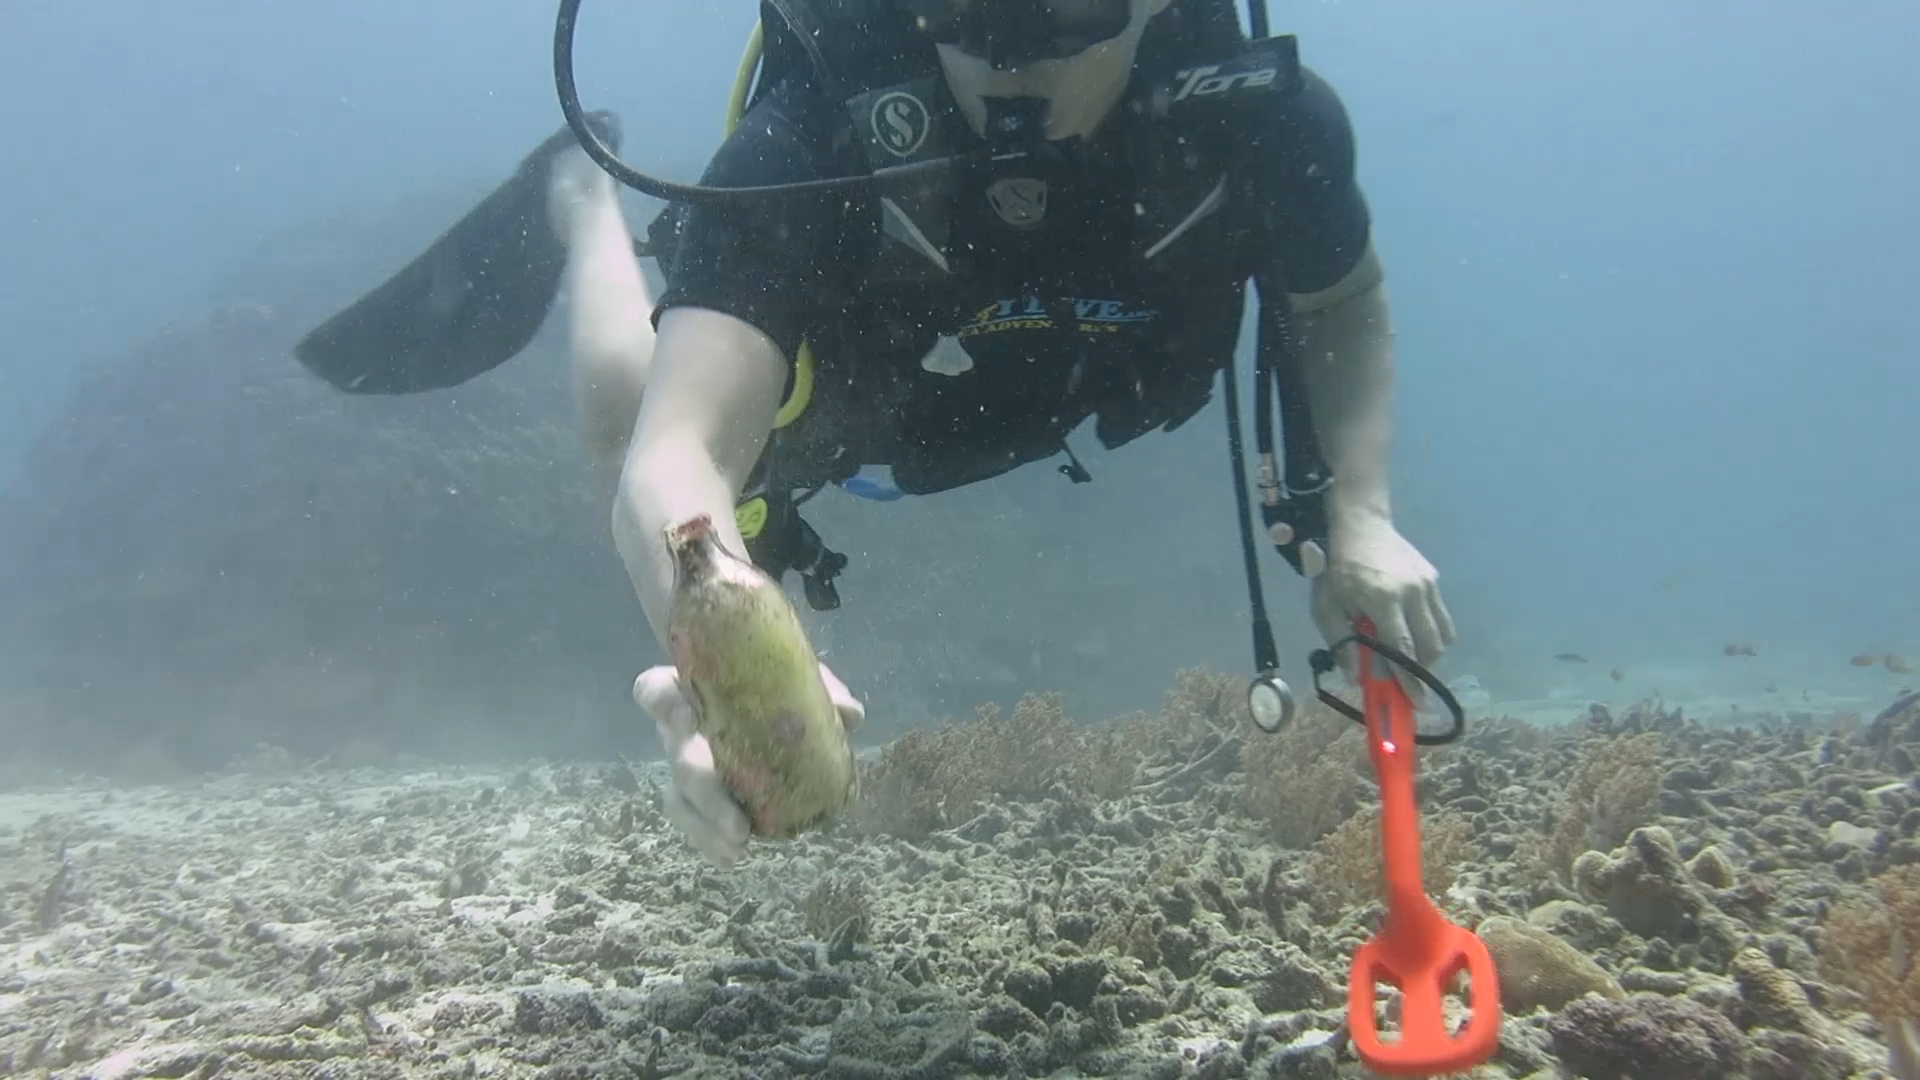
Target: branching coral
x,y
836,905
936,778
1866,945
1345,865
1202,703
1615,789
1302,782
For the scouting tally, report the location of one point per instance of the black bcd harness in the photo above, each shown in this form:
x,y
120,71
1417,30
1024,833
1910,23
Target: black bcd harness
x,y
859,51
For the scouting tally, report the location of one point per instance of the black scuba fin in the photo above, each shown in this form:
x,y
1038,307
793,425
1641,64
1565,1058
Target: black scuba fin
x,y
468,304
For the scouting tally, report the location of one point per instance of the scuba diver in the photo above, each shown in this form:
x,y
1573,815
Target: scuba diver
x,y
1120,170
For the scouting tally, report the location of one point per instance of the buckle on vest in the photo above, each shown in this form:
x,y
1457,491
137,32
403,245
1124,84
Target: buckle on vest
x,y
817,566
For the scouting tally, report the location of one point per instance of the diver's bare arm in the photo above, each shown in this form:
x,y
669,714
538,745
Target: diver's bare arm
x,y
714,387
1347,333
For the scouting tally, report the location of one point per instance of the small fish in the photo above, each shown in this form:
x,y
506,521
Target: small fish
x,y
1897,665
1773,688
1618,674
1906,700
1739,648
1864,660
1570,658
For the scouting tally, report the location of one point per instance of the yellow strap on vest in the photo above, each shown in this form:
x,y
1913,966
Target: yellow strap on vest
x,y
796,402
751,517
743,80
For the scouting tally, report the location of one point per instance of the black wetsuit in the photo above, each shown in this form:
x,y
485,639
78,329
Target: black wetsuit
x,y
1057,320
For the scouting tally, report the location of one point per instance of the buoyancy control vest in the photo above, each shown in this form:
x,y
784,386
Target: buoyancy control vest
x,y
1202,97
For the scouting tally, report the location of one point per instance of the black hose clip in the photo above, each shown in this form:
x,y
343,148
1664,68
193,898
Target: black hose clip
x,y
1322,663
817,565
1297,527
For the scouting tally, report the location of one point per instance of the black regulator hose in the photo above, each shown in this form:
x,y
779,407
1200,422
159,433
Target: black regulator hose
x,y
607,159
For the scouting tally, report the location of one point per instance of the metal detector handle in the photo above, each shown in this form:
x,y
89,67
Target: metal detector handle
x,y
1417,950
1391,737
1297,526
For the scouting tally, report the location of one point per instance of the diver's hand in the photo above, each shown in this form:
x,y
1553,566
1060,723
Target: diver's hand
x,y
852,712
1374,571
697,800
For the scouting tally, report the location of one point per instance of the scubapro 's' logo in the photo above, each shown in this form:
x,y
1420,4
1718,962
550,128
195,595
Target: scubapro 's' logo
x,y
900,123
1020,201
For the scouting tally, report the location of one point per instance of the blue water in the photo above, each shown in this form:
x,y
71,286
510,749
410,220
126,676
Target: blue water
x,y
1649,265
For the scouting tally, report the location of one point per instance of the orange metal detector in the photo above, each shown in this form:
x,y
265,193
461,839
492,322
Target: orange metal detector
x,y
1417,950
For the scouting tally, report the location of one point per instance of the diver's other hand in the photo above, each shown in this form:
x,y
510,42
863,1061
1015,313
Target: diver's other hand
x,y
851,711
577,188
1374,571
697,800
